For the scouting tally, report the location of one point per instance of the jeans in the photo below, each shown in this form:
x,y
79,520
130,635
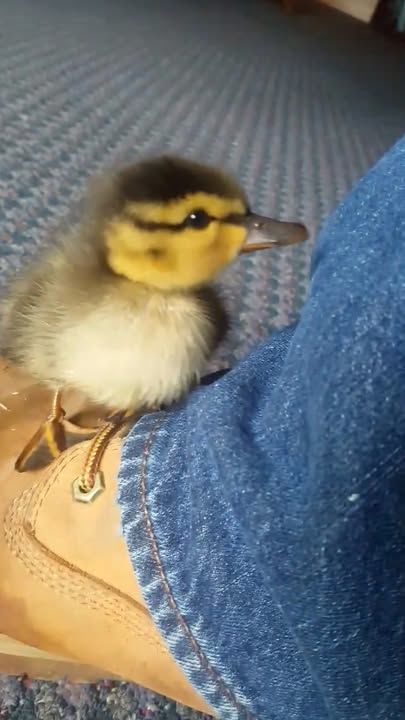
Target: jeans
x,y
265,515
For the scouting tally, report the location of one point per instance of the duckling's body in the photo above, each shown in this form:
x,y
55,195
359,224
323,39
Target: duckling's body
x,y
71,322
121,308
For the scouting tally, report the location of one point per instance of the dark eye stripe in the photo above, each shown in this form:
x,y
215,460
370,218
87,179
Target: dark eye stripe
x,y
154,226
233,219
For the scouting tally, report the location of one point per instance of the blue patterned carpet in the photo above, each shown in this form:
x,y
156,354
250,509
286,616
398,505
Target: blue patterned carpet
x,y
298,107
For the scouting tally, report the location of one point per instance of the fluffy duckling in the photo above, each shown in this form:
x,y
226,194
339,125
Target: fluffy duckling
x,y
120,307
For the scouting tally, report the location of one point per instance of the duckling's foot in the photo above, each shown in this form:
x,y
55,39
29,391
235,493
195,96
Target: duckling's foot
x,y
51,433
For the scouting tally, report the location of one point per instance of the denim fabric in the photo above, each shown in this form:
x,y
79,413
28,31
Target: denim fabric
x,y
265,516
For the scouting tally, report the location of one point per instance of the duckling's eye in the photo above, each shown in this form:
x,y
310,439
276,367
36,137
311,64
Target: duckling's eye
x,y
198,219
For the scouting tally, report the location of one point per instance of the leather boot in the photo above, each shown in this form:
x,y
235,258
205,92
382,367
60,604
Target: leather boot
x,y
70,604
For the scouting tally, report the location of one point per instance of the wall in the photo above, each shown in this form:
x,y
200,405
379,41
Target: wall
x,y
361,9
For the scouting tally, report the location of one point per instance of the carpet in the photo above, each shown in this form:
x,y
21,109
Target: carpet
x,y
298,107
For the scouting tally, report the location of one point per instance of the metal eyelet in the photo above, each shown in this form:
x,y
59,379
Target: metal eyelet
x,y
85,492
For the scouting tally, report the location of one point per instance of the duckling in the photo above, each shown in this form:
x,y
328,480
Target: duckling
x,y
121,306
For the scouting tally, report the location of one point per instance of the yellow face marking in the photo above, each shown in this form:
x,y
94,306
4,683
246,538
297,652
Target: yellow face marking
x,y
178,258
175,211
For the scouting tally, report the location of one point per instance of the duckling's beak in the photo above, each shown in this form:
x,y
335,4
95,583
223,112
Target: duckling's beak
x,y
265,233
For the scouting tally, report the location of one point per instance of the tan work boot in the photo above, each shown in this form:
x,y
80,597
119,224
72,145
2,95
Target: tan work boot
x,y
70,604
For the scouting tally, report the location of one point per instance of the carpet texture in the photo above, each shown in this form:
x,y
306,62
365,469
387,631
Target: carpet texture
x,y
297,107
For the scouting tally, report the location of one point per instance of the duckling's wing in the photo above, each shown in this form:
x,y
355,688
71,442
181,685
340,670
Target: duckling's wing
x,y
43,299
22,311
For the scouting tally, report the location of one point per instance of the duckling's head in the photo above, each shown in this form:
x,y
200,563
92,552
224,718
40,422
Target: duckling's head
x,y
173,223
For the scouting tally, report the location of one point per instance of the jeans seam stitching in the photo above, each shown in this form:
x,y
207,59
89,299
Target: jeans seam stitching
x,y
156,559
